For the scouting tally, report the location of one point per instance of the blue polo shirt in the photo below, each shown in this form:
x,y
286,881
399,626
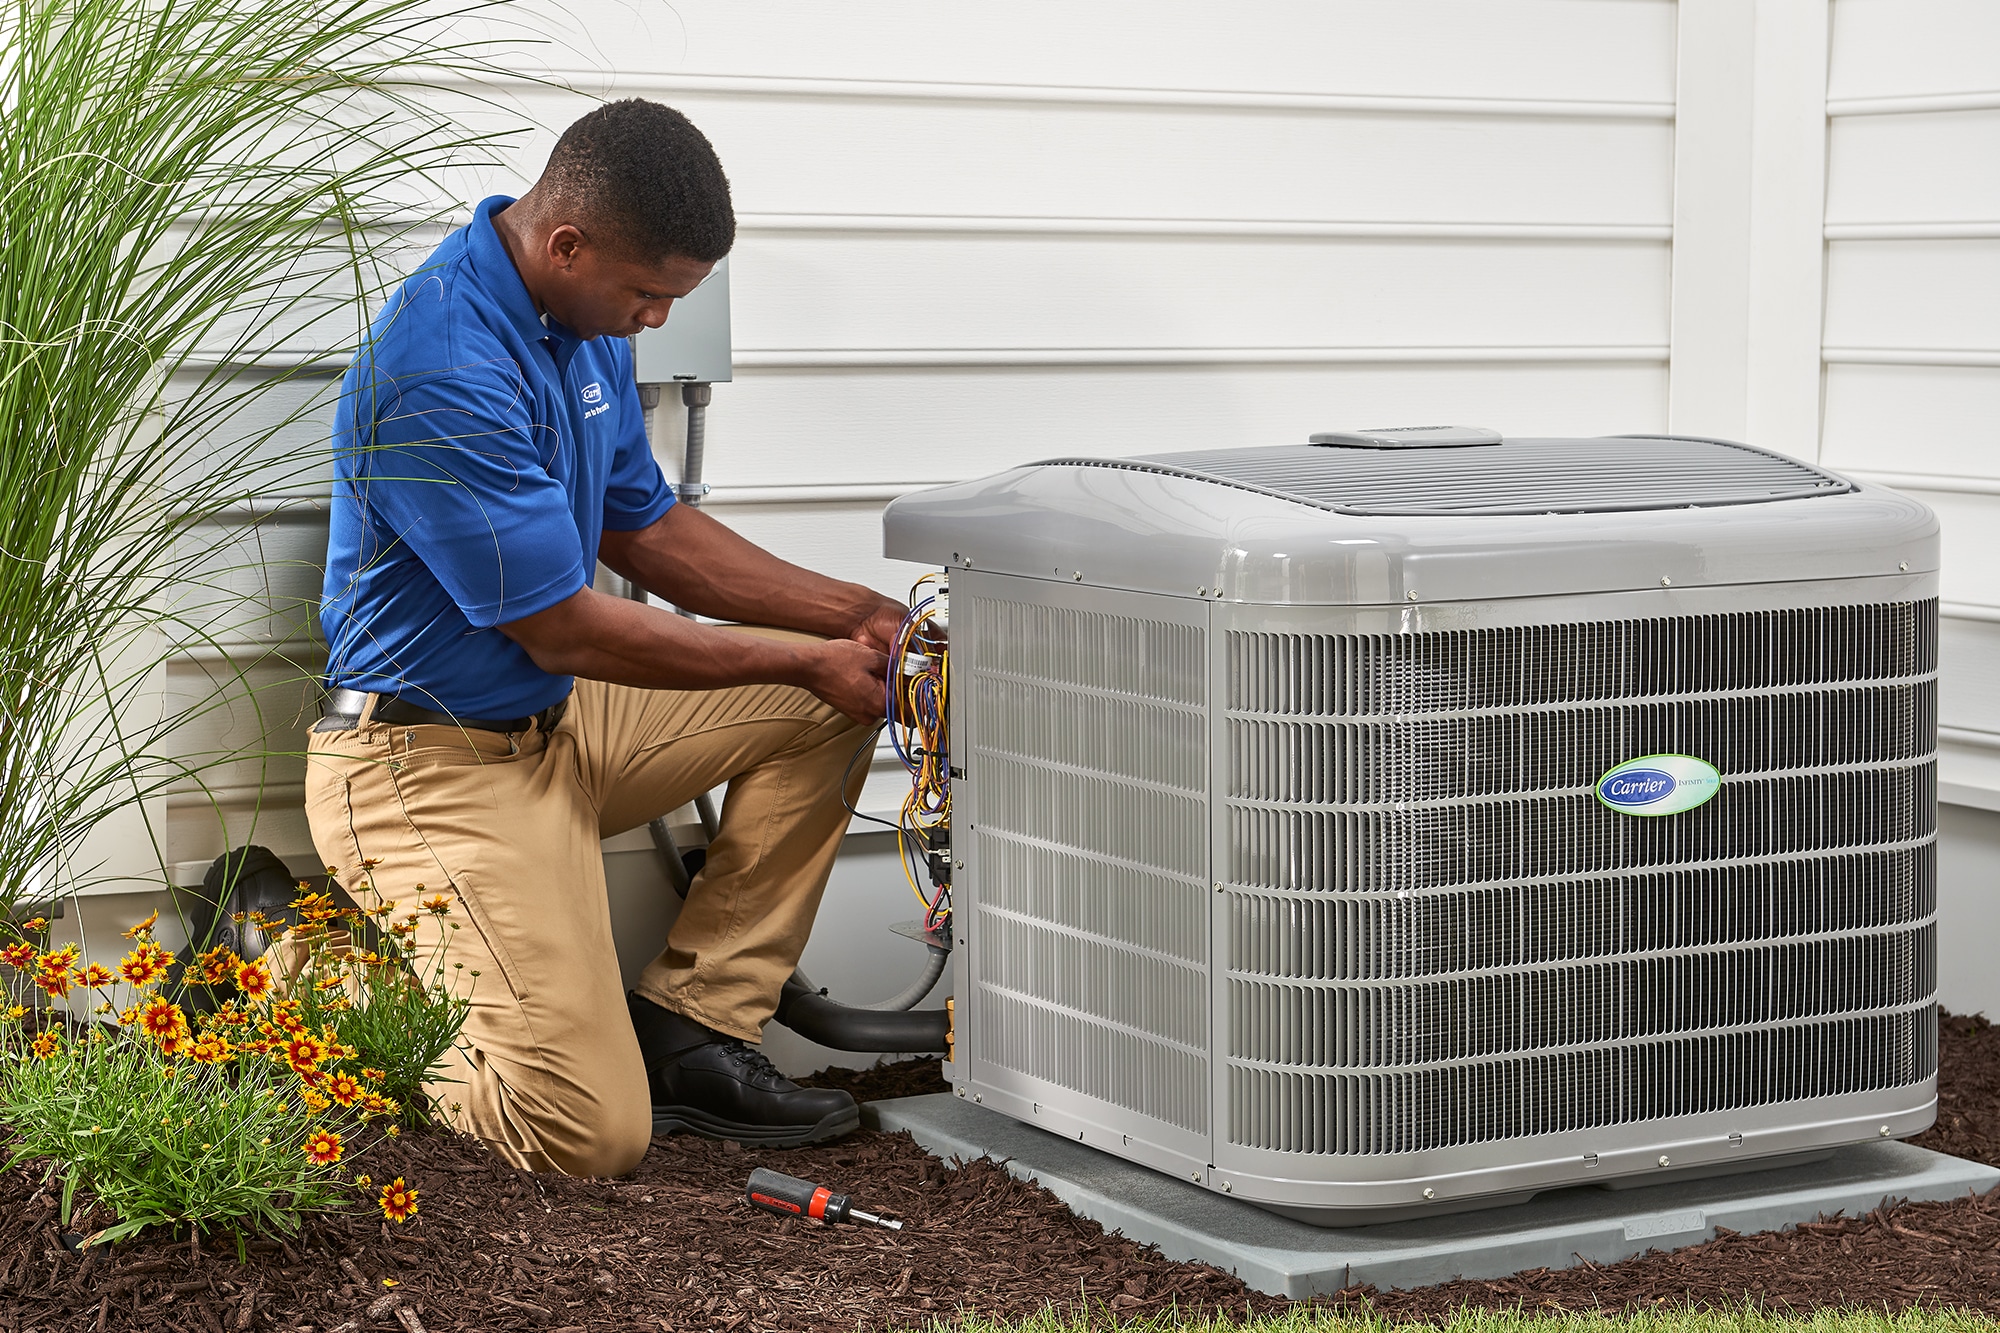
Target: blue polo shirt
x,y
479,454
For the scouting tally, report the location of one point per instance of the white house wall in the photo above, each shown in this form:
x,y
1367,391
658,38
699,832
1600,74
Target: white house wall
x,y
973,236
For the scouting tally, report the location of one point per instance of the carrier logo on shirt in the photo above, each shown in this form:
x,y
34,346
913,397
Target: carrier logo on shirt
x,y
594,393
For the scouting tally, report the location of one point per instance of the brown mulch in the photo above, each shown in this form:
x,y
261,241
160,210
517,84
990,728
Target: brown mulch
x,y
673,1247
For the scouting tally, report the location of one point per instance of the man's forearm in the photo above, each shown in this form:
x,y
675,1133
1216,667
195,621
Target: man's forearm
x,y
599,637
693,561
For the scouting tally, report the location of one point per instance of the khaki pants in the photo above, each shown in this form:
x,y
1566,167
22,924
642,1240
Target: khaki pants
x,y
549,1073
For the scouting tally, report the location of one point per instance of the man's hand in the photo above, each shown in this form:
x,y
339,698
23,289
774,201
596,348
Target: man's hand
x,y
600,637
878,627
851,676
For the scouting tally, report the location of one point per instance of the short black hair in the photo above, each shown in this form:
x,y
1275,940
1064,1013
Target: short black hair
x,y
645,175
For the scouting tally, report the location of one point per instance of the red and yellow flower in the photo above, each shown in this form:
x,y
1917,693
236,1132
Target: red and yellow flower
x,y
399,1201
162,1019
94,977
438,905
20,956
216,967
254,980
145,964
304,1052
212,1048
46,1045
140,930
52,972
322,1147
345,1089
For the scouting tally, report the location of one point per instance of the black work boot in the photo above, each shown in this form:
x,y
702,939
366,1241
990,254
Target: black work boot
x,y
723,1088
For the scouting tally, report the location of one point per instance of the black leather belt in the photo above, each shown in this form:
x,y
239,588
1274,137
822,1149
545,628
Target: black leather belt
x,y
341,711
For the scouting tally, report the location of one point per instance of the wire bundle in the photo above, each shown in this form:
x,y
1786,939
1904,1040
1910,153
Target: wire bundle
x,y
915,704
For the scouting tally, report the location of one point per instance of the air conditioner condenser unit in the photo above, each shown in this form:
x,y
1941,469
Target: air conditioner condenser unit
x,y
1417,820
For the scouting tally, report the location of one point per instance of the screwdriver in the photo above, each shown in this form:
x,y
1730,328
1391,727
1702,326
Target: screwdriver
x,y
788,1196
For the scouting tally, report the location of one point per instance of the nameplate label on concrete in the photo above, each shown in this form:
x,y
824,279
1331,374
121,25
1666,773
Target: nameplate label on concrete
x,y
1666,1224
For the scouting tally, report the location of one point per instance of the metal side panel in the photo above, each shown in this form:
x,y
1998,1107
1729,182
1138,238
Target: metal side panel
x,y
1445,971
1080,725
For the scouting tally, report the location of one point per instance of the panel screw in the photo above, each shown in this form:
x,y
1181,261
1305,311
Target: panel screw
x,y
1201,592
1078,576
1663,1159
1227,1188
1411,595
980,1097
1195,1176
1905,566
1429,1193
958,865
1666,582
1885,1131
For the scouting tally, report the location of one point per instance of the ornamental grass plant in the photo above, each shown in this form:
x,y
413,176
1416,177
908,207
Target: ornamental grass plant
x,y
243,1113
200,201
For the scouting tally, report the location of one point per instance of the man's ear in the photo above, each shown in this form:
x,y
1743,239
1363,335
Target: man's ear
x,y
564,243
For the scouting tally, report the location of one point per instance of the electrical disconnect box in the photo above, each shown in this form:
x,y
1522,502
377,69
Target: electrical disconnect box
x,y
692,347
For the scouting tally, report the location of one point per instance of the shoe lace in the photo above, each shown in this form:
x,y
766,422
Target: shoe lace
x,y
753,1060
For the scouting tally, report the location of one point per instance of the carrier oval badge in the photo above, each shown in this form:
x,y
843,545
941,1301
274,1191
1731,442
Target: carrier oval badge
x,y
1658,784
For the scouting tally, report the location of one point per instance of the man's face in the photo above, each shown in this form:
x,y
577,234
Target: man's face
x,y
600,293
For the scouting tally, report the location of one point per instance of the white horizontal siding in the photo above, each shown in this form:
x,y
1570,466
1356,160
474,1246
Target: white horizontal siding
x,y
1911,352
1520,49
974,237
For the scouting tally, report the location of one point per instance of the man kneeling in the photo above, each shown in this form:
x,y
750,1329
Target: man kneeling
x,y
490,718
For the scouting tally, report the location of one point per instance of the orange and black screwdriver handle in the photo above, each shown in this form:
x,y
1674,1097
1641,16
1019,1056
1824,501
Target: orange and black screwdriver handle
x,y
788,1196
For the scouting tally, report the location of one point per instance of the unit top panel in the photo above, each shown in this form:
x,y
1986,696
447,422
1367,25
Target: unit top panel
x,y
1503,476
1423,516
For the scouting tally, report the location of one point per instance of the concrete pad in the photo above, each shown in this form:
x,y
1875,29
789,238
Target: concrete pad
x,y
1554,1230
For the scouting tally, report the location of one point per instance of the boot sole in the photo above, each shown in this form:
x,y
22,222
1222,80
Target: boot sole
x,y
685,1119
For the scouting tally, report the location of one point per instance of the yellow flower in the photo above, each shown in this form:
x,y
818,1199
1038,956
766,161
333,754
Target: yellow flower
x,y
399,1201
363,1182
94,977
344,1089
213,1049
304,1053
438,905
136,931
216,967
392,1131
52,971
37,926
162,1019
314,1102
254,980
145,964
46,1045
322,1148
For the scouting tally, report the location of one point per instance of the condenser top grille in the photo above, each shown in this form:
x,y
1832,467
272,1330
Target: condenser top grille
x,y
1524,476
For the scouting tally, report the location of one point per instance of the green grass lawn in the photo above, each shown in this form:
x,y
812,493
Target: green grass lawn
x,y
1304,1320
